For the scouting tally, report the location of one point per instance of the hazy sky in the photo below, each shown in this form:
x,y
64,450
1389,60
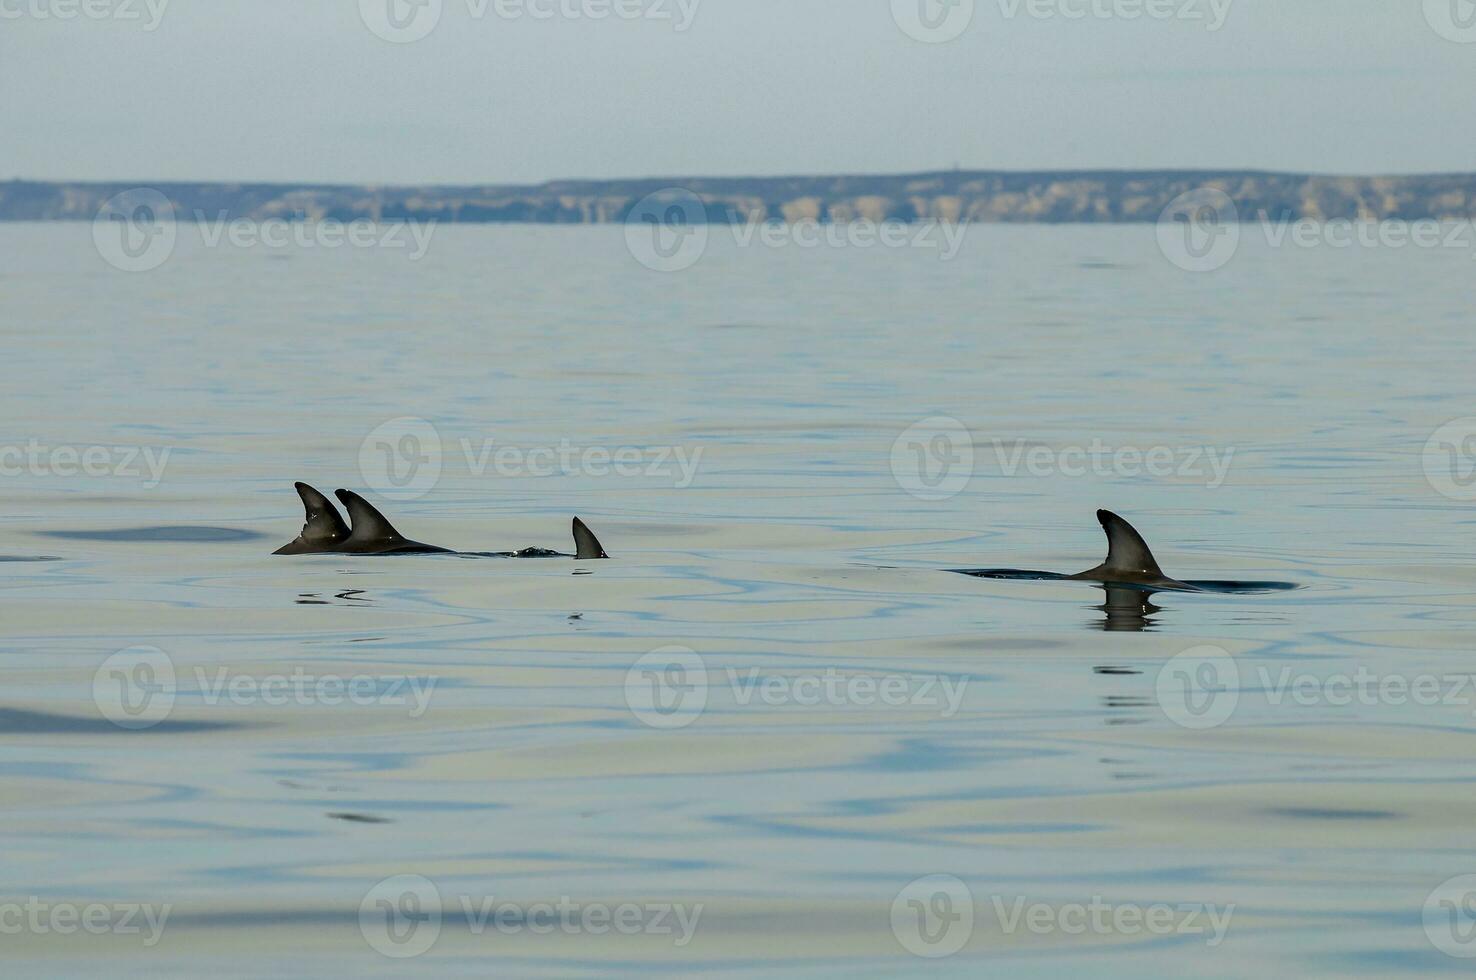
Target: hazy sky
x,y
305,90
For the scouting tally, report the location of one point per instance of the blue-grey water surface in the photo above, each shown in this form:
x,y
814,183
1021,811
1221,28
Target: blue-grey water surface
x,y
802,551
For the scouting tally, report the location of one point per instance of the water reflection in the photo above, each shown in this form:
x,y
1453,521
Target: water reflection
x,y
1127,609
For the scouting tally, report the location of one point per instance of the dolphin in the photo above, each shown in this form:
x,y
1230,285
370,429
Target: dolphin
x,y
1128,558
371,533
324,531
1130,563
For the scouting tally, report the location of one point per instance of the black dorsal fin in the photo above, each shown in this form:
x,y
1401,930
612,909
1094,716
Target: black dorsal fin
x,y
323,526
323,530
586,545
1127,552
368,523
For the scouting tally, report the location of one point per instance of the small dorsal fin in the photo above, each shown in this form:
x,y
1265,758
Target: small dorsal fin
x,y
1126,550
323,526
586,545
368,523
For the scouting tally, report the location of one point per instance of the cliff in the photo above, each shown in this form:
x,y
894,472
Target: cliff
x,y
989,196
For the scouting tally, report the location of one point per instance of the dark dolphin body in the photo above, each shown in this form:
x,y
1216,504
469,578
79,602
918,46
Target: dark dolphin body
x,y
370,533
324,530
1129,565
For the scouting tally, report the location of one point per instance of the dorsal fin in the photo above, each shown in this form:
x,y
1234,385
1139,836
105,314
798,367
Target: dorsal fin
x,y
323,526
1126,550
323,530
586,545
368,523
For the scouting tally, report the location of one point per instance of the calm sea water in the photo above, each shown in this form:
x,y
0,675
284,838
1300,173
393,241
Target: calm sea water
x,y
866,719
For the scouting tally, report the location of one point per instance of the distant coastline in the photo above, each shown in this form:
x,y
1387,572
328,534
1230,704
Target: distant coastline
x,y
957,195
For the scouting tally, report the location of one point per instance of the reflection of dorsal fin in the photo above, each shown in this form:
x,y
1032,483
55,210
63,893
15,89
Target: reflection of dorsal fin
x,y
1126,550
368,523
586,545
323,526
